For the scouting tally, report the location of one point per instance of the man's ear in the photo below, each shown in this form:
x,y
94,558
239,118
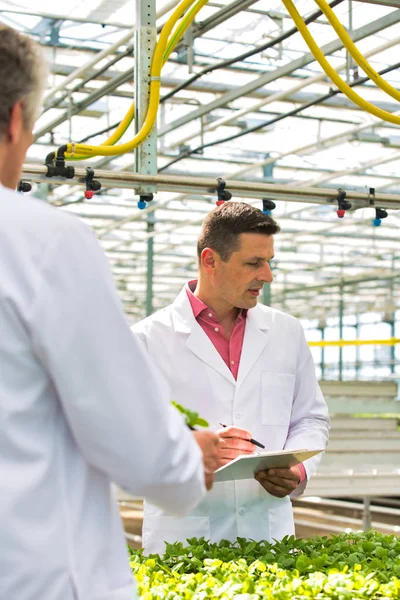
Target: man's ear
x,y
15,124
208,259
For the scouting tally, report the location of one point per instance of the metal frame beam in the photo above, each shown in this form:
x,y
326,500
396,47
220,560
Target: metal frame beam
x,y
208,186
369,29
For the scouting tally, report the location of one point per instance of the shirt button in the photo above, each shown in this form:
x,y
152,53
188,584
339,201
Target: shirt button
x,y
232,362
242,511
238,415
210,314
216,329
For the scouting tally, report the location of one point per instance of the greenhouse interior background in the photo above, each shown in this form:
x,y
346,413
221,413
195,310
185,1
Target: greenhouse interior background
x,y
243,99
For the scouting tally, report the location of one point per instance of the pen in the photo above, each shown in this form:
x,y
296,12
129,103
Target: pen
x,y
251,440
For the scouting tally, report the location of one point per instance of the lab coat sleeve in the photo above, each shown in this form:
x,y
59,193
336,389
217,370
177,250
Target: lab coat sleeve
x,y
309,423
111,395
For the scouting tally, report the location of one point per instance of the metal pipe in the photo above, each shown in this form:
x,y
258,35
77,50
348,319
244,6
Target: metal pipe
x,y
84,68
285,93
314,146
357,329
150,264
208,186
341,310
370,29
104,53
280,117
241,57
267,294
56,17
351,280
322,354
366,518
361,167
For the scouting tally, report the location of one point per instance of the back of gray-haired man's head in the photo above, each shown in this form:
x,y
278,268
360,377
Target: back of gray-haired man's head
x,y
22,76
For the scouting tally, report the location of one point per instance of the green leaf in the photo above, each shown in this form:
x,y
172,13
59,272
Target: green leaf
x,y
192,418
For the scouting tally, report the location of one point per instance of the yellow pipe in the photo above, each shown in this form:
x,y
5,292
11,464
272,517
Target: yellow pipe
x,y
330,71
87,151
341,343
182,27
355,53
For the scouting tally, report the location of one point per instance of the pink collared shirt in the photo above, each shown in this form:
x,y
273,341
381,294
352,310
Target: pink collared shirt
x,y
229,350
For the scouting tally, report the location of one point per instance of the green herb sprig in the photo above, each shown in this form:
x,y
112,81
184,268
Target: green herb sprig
x,y
192,418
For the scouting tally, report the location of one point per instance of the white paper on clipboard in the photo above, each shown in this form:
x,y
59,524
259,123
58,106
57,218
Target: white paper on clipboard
x,y
245,467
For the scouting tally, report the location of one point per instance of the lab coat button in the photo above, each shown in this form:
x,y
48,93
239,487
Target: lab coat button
x,y
238,415
242,511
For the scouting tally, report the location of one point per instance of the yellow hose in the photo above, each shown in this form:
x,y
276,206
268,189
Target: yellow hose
x,y
330,71
355,53
182,27
172,43
122,127
86,151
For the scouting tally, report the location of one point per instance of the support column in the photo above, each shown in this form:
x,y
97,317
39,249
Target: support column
x,y
366,518
393,319
357,328
341,309
266,297
146,153
145,42
322,329
150,264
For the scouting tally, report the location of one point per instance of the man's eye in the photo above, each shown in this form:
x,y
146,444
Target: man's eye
x,y
253,264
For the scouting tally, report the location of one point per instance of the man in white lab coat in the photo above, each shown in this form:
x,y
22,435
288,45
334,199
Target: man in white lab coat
x,y
243,365
79,403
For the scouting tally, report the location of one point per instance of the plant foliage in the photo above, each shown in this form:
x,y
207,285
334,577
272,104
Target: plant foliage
x,y
343,567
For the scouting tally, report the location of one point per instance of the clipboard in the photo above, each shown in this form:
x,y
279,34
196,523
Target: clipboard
x,y
246,466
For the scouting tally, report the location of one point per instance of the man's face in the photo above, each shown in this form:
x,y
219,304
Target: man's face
x,y
239,281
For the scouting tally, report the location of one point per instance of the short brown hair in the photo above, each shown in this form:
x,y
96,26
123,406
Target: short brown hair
x,y
22,76
223,225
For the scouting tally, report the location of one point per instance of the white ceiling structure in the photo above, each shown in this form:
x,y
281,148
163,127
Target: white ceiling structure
x,y
269,117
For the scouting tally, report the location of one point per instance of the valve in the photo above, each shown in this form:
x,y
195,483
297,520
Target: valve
x,y
380,213
343,204
92,185
268,206
55,164
222,194
144,198
24,187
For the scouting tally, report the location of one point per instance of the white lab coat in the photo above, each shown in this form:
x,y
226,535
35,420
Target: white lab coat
x,y
79,405
276,397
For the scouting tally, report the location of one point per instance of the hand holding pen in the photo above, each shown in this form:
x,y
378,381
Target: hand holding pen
x,y
251,440
234,442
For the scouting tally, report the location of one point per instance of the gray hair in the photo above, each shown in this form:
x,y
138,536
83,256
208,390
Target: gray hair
x,y
23,74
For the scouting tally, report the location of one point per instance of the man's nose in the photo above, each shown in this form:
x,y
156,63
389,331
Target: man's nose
x,y
266,274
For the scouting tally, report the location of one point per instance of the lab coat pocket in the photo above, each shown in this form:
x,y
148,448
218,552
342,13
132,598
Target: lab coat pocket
x,y
158,529
277,391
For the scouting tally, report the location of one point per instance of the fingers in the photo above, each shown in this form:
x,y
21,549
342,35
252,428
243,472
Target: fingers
x,y
231,453
275,490
292,473
234,432
236,444
208,480
276,485
209,444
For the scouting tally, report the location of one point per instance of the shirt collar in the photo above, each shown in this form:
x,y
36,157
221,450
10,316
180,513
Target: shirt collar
x,y
198,305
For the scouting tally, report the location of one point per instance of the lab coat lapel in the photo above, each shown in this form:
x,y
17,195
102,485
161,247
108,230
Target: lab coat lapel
x,y
255,339
197,341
